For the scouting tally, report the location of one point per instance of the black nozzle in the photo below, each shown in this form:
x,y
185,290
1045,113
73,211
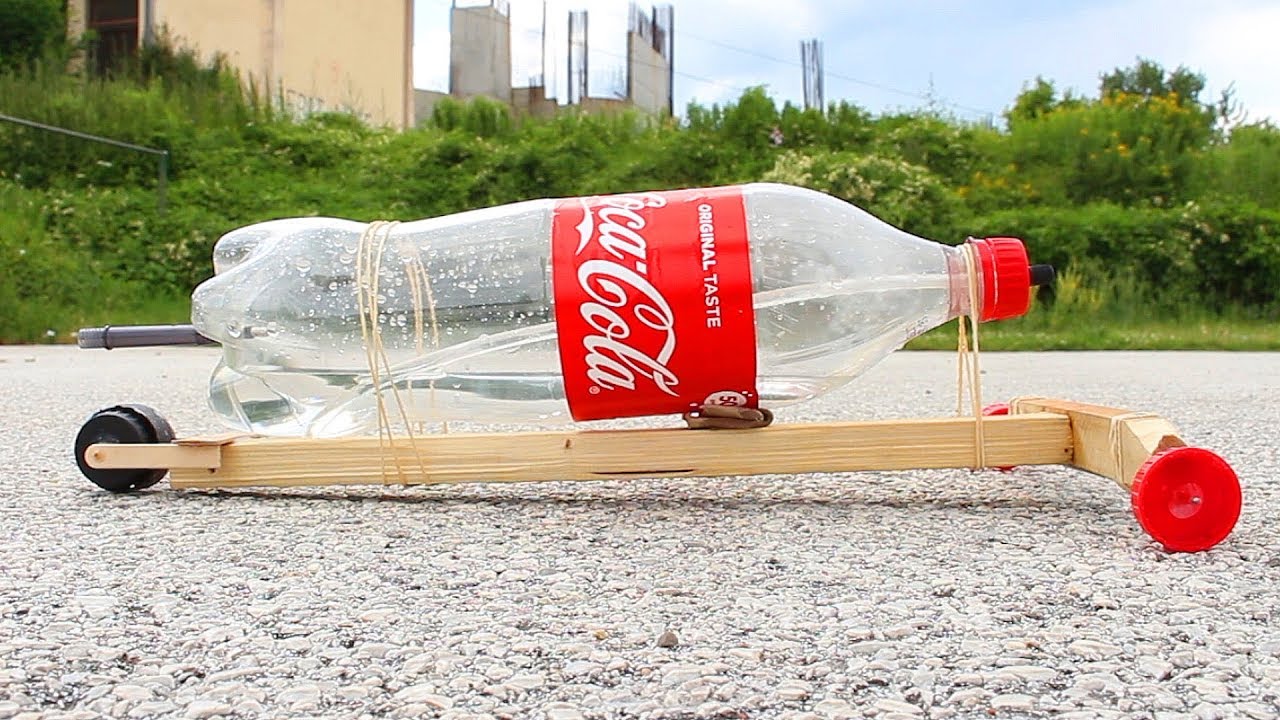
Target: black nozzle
x,y
1042,275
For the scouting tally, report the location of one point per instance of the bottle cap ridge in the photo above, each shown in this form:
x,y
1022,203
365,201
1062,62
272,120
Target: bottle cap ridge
x,y
1006,277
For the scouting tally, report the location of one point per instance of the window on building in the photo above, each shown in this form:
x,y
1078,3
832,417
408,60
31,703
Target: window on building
x,y
116,24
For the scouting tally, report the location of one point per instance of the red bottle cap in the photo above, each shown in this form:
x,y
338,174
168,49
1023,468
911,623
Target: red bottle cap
x,y
998,409
1186,498
1006,277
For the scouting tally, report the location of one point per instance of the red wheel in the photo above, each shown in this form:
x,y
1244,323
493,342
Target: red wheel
x,y
1187,498
998,409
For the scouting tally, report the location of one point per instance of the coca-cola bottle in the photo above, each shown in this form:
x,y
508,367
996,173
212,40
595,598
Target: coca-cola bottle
x,y
577,309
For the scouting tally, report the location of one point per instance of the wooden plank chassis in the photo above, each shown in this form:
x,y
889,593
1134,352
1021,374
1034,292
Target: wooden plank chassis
x,y
1110,442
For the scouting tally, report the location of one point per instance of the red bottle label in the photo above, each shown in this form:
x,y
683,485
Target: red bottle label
x,y
653,302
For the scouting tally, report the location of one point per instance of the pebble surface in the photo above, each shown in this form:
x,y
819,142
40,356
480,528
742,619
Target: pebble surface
x,y
915,594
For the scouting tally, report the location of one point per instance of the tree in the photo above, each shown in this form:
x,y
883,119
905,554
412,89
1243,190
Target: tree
x,y
1037,101
28,29
1150,80
1034,102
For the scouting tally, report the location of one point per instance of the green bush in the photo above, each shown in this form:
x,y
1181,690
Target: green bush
x,y
1218,255
168,103
1236,247
1247,167
902,194
1140,143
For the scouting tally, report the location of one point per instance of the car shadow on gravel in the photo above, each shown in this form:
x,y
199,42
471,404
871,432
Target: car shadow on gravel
x,y
977,491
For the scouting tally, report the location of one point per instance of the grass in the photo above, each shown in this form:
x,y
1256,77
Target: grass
x,y
114,304
1098,309
1156,334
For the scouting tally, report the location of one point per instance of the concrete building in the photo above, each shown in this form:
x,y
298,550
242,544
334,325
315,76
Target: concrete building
x,y
480,51
650,46
311,54
480,64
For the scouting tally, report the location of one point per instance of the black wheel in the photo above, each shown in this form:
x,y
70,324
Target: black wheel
x,y
123,424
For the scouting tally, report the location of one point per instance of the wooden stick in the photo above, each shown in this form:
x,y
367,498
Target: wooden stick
x,y
1024,439
168,456
1110,442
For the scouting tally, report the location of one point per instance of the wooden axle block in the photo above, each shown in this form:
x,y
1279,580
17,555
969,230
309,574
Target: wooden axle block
x,y
1110,442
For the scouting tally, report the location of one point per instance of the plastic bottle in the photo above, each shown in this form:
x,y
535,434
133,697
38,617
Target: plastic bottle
x,y
576,309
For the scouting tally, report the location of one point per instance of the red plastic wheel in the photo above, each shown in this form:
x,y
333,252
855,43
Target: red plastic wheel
x,y
1187,498
998,409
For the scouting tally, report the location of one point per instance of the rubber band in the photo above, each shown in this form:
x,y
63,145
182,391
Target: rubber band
x,y
969,366
369,257
1116,442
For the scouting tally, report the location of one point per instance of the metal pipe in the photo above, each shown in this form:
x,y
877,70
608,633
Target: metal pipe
x,y
82,136
110,337
163,182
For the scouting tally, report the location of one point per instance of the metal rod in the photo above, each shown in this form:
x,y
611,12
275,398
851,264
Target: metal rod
x,y
163,182
82,136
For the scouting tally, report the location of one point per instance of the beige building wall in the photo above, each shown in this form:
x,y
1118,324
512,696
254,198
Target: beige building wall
x,y
312,55
239,29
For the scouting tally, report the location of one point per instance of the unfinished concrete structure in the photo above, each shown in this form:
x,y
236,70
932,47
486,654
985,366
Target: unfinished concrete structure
x,y
650,49
480,63
480,51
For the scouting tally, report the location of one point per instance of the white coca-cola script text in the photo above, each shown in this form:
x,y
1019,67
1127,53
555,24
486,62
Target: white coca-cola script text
x,y
620,295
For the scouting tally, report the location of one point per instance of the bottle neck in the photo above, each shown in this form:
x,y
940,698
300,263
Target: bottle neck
x,y
958,273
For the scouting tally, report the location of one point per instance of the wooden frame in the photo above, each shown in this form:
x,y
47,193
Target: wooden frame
x,y
1187,503
1036,432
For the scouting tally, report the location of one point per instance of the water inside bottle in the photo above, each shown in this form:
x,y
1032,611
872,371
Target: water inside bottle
x,y
437,385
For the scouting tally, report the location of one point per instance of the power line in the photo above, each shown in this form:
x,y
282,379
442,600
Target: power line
x,y
877,86
676,72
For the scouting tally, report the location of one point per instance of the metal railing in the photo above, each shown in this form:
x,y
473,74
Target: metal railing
x,y
162,171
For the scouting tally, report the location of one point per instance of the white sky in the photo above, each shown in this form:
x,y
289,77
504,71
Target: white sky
x,y
974,56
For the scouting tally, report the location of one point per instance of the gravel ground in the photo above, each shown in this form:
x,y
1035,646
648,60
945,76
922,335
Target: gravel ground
x,y
894,595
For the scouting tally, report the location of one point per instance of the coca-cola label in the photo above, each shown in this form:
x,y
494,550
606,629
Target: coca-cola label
x,y
653,302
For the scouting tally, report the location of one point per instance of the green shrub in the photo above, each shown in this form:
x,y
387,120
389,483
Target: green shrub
x,y
902,194
1219,255
1246,167
1236,247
